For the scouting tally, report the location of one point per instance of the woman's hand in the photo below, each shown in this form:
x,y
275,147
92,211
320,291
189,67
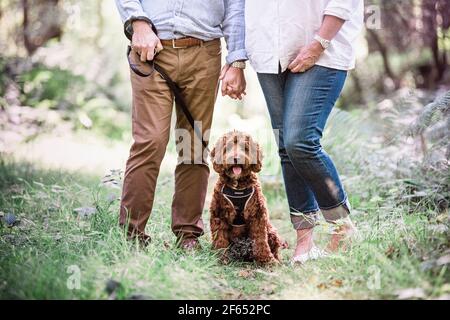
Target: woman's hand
x,y
233,82
307,57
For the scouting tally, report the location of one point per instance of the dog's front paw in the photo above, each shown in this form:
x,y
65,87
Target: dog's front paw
x,y
268,261
274,262
223,256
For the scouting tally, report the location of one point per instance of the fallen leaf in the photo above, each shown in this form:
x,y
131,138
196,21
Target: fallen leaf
x,y
391,252
337,283
84,212
411,293
246,274
443,218
269,290
443,260
322,286
26,224
231,295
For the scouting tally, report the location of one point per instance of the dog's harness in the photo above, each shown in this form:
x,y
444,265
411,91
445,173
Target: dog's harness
x,y
239,198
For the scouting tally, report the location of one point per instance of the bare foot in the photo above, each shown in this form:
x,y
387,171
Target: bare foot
x,y
304,241
341,237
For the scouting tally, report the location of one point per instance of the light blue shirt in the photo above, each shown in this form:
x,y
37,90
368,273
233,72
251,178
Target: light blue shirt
x,y
202,19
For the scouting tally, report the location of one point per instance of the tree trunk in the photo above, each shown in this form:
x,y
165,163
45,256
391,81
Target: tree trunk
x,y
385,56
41,22
430,34
359,88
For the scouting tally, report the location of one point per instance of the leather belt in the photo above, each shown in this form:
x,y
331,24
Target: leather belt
x,y
182,43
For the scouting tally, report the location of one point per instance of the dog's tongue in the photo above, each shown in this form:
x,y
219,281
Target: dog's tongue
x,y
237,170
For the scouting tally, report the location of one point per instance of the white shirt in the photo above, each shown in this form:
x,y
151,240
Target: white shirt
x,y
277,29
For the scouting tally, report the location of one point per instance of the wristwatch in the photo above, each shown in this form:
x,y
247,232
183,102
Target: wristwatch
x,y
323,42
128,26
238,64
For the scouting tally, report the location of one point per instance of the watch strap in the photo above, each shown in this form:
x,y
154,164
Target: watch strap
x,y
238,64
128,26
323,42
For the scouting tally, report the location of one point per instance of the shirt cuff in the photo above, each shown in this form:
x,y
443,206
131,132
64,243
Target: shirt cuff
x,y
236,55
128,24
341,13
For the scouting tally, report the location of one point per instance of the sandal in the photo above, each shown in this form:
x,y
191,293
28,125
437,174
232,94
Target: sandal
x,y
313,254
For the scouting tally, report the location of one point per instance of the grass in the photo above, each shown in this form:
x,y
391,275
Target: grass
x,y
68,245
54,249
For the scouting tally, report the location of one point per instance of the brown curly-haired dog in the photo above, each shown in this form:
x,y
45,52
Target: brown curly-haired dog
x,y
239,215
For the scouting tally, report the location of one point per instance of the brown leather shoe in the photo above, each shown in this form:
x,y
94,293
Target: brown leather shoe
x,y
143,238
189,244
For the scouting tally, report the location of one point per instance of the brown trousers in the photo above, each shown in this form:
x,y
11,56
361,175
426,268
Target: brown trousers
x,y
196,71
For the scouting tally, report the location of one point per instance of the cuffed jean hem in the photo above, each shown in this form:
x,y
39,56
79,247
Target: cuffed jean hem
x,y
331,215
302,221
334,214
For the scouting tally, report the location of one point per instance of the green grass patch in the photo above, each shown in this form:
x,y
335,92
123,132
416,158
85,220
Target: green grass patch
x,y
68,246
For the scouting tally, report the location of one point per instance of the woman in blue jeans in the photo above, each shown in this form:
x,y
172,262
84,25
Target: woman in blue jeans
x,y
302,50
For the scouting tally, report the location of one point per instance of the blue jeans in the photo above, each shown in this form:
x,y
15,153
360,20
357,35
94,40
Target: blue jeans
x,y
299,105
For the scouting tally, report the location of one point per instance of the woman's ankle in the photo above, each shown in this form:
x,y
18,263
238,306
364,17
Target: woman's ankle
x,y
305,241
342,234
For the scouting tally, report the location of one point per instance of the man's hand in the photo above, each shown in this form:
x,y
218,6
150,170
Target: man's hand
x,y
307,57
144,41
233,82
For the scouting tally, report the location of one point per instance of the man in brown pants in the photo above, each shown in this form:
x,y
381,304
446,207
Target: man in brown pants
x,y
188,42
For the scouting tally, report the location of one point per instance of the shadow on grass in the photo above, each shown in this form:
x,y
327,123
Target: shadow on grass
x,y
66,245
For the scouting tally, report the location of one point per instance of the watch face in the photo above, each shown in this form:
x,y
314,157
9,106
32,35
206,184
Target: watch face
x,y
323,42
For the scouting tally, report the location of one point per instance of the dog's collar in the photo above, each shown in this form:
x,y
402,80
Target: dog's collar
x,y
234,193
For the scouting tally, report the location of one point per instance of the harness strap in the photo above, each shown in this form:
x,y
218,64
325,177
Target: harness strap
x,y
239,199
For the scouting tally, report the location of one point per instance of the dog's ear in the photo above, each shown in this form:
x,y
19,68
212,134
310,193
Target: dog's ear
x,y
258,157
217,167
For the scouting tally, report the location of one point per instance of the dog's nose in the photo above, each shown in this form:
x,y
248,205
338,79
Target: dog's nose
x,y
235,160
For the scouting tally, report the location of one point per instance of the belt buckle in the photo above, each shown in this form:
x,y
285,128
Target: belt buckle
x,y
175,47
